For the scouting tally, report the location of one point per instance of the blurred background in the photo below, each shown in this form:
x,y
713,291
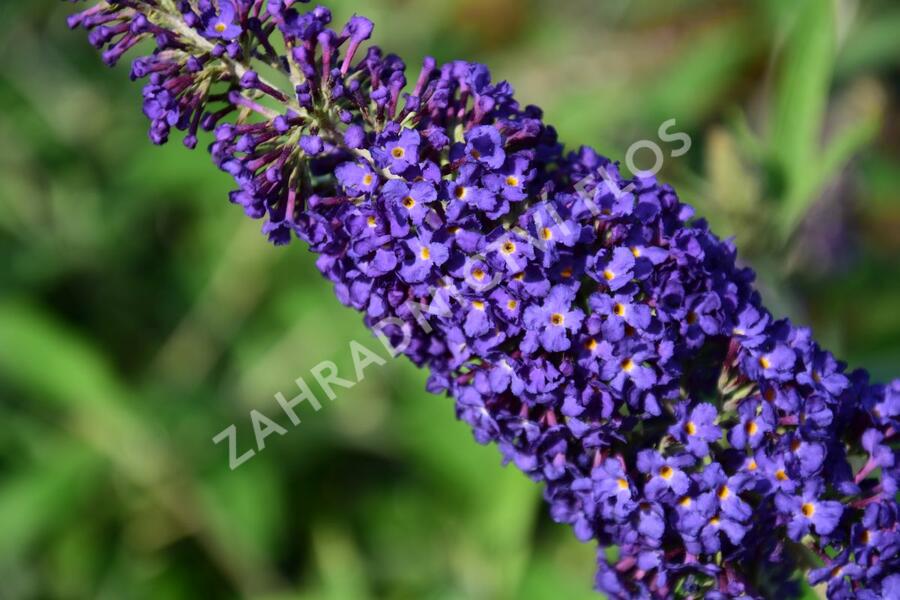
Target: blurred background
x,y
141,314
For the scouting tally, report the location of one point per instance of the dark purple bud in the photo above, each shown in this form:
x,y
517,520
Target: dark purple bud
x,y
355,136
311,144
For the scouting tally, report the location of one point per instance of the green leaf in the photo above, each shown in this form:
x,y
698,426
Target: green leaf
x,y
800,103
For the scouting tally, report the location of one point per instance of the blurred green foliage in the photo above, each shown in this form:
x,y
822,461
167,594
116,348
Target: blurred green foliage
x,y
140,314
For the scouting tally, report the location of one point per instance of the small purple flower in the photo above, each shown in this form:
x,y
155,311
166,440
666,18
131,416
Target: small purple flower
x,y
823,372
651,521
485,145
809,511
466,191
510,181
425,252
380,263
613,487
756,420
550,230
399,153
776,364
221,25
620,311
627,363
356,178
479,318
665,473
555,319
407,203
702,318
727,491
510,252
880,454
779,474
702,524
751,326
839,573
508,306
696,429
614,270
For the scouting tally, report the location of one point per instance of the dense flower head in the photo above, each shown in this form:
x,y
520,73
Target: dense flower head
x,y
606,340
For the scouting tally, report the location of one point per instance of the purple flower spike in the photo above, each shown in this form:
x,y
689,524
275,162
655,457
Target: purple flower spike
x,y
609,344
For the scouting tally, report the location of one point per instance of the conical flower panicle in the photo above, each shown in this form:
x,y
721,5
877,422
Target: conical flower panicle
x,y
608,343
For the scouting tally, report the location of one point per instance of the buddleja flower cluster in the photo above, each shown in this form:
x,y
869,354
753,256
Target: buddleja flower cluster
x,y
584,322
